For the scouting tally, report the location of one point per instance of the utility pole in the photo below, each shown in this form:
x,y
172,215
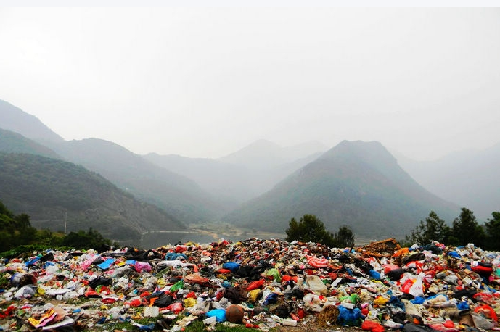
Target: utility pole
x,y
65,221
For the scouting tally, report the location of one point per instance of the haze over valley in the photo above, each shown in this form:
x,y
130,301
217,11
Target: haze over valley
x,y
191,121
259,188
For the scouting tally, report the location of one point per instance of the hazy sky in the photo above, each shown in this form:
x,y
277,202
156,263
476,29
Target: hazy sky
x,y
204,82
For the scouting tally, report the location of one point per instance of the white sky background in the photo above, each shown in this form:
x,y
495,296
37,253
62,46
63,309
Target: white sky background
x,y
204,82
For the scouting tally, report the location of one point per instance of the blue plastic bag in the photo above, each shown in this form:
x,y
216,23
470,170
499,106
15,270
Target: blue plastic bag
x,y
418,300
374,274
463,306
271,299
106,264
220,315
349,317
232,266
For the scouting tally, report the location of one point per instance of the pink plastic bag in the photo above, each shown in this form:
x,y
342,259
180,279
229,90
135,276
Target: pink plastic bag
x,y
142,267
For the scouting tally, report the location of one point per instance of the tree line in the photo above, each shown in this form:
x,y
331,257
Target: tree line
x,y
464,230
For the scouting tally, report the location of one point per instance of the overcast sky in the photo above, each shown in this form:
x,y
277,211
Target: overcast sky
x,y
204,82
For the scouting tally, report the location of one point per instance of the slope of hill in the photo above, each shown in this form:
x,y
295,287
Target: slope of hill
x,y
178,195
468,178
47,189
230,184
11,142
14,119
264,154
355,183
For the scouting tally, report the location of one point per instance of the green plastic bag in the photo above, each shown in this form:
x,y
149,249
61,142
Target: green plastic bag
x,y
178,285
275,273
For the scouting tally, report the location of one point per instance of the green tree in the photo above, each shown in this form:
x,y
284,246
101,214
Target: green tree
x,y
344,237
86,240
433,229
14,230
493,232
309,229
466,229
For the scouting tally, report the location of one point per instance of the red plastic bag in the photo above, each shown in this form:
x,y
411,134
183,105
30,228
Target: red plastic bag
x,y
175,307
224,271
255,284
405,287
369,325
134,303
487,311
180,249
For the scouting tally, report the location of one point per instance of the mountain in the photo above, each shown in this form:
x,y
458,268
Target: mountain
x,y
358,184
468,178
264,154
11,142
14,119
231,184
178,195
51,190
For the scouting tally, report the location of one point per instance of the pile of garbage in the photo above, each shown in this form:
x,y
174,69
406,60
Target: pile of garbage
x,y
254,283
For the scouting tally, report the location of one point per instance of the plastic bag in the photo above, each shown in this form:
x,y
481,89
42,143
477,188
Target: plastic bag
x,y
255,284
275,273
219,314
232,266
178,285
417,289
369,325
316,285
349,317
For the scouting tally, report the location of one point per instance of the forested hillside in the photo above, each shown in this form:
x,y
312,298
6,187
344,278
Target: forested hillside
x,y
12,142
52,191
180,196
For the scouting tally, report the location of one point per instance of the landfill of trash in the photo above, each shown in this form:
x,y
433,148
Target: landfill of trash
x,y
256,283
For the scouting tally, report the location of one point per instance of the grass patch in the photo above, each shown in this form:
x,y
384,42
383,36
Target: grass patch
x,y
198,326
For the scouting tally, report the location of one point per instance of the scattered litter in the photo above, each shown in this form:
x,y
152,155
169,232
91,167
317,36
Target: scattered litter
x,y
256,283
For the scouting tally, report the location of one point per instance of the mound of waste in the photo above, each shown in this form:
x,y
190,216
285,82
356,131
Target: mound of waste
x,y
254,283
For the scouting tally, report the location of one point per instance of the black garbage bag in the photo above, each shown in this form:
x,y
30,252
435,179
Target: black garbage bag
x,y
465,292
100,281
410,327
395,274
413,257
47,257
97,261
282,311
244,271
298,293
163,300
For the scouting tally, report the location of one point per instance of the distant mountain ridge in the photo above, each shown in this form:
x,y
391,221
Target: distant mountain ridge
x,y
264,154
14,119
270,181
355,183
469,178
178,195
231,184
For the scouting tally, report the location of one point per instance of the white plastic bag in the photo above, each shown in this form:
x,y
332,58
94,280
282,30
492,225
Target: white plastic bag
x,y
417,289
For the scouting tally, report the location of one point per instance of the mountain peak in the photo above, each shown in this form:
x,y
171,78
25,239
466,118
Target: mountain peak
x,y
372,152
355,183
264,154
